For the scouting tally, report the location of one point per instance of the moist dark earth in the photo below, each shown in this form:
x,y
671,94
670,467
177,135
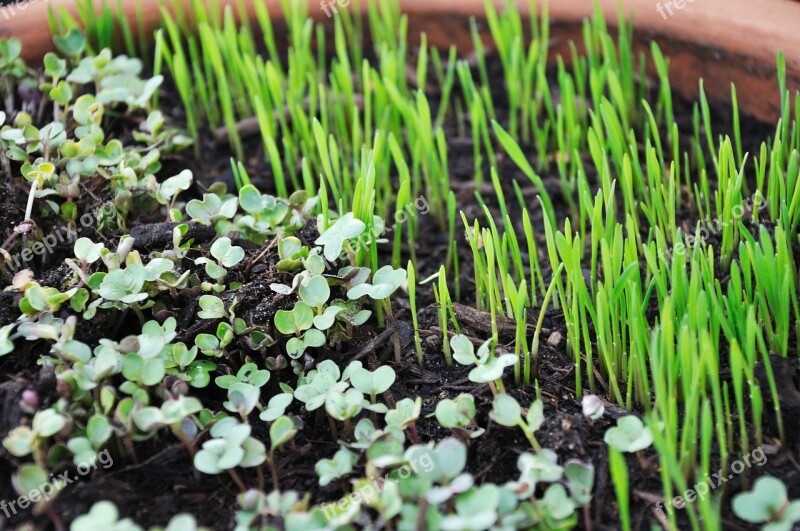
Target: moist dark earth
x,y
160,479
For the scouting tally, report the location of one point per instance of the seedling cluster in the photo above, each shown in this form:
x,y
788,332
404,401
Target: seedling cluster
x,y
604,266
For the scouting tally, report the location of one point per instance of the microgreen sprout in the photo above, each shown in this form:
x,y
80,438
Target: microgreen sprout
x,y
340,465
335,239
593,407
629,435
385,281
225,256
488,368
24,440
105,515
768,503
167,193
231,446
458,414
373,383
405,415
506,411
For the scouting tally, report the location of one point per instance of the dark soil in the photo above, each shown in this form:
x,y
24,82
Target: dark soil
x,y
160,480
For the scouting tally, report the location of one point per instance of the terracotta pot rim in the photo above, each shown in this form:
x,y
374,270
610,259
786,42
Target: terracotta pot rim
x,y
722,41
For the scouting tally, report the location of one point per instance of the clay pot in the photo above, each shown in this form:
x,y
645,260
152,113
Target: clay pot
x,y
722,41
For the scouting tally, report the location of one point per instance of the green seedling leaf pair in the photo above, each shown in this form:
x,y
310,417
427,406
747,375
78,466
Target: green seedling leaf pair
x,y
458,414
295,321
142,372
297,346
334,238
315,386
768,503
153,339
365,434
276,407
388,503
327,318
385,281
211,209
282,430
629,435
86,251
181,361
242,398
341,465
300,320
214,345
476,508
557,505
103,515
580,478
373,383
169,189
254,504
506,411
70,154
534,469
212,307
171,413
153,132
127,286
488,368
405,413
23,440
30,477
231,446
249,373
311,261
344,405
292,253
315,291
226,255
85,448
40,299
266,214
447,460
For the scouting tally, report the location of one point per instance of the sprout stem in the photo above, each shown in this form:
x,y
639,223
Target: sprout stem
x,y
238,480
273,471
